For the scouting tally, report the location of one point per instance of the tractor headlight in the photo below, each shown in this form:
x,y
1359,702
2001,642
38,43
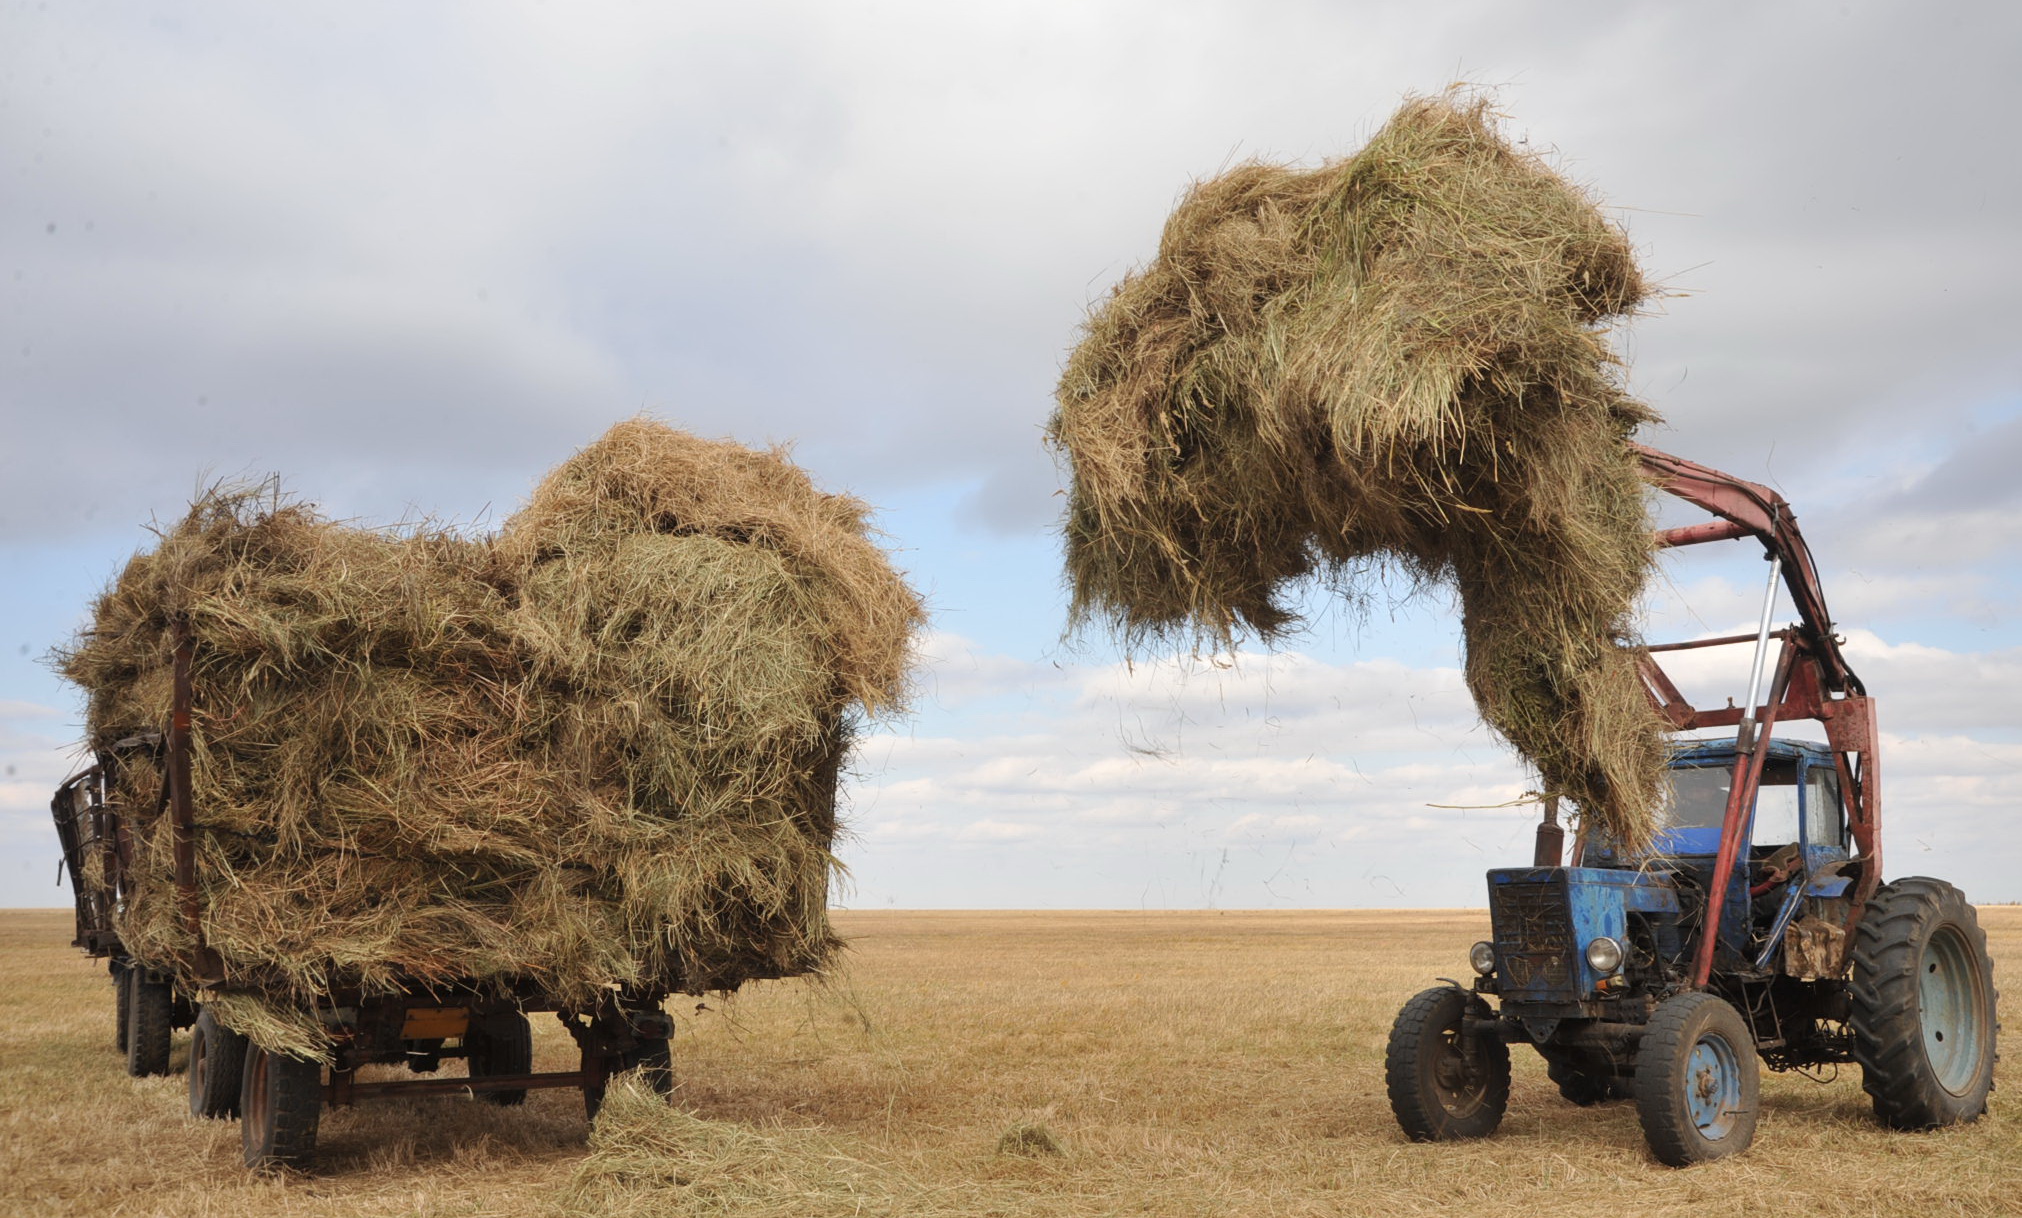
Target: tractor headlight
x,y
1604,955
1482,957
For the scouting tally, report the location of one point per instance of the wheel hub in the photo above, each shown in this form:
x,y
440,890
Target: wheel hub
x,y
1948,1010
1713,1087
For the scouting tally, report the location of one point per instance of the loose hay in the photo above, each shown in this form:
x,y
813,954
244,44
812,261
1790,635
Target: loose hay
x,y
649,1158
601,748
1398,356
1030,1139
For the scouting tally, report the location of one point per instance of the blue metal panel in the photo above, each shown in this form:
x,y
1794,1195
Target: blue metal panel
x,y
1688,753
1688,841
1827,886
1545,916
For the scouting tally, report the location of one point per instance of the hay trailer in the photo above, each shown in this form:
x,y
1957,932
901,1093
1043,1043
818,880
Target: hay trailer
x,y
1757,928
279,1099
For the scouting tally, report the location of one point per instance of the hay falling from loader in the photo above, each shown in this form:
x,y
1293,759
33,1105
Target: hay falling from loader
x,y
600,748
1398,356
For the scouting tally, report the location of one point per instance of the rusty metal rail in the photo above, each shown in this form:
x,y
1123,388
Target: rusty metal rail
x,y
340,1090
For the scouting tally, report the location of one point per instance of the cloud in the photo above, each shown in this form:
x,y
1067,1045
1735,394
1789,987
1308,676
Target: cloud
x,y
1334,773
410,261
238,243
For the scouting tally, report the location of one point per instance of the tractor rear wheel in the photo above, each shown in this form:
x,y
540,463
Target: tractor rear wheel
x,y
1924,1006
1697,1081
280,1103
217,1061
150,1010
500,1044
1445,1084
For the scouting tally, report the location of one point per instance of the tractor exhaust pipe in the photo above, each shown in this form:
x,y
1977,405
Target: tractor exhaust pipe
x,y
1551,845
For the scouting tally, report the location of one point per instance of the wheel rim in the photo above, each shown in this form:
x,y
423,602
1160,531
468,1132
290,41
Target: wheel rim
x,y
1460,1088
1713,1087
255,1115
1949,1008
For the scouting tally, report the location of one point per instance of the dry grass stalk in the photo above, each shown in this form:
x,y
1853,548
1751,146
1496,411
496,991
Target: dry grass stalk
x,y
601,748
1397,357
1211,1064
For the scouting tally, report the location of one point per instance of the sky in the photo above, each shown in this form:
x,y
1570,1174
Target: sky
x,y
409,256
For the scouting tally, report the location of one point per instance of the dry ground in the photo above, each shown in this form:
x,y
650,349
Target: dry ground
x,y
1186,1063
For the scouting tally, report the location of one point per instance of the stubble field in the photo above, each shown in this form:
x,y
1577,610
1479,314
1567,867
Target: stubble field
x,y
1177,1064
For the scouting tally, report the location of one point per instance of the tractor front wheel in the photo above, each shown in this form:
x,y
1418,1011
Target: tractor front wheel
x,y
1923,1006
1697,1081
1444,1083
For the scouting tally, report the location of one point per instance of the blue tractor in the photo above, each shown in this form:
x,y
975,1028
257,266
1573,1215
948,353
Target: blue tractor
x,y
1756,929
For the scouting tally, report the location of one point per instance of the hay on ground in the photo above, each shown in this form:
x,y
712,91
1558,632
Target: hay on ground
x,y
601,748
1396,357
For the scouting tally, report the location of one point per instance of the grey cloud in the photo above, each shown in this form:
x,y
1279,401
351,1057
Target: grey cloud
x,y
875,234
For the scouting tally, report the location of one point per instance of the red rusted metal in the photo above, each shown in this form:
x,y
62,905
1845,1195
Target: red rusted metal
x,y
1766,515
350,1092
1740,797
1725,640
1694,534
1813,681
1851,731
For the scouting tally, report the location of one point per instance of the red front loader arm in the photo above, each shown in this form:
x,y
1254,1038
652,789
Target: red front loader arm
x,y
1812,679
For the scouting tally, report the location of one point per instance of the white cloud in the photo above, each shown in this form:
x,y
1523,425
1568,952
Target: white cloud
x,y
1308,775
413,260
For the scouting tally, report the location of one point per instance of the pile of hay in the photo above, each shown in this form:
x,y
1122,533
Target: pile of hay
x,y
1399,356
599,748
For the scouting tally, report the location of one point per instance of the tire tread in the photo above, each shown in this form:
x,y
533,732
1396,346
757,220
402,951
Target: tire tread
x,y
1421,1116
1888,1038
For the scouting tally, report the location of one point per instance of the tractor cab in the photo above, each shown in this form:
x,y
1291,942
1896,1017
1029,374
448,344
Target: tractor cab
x,y
1795,845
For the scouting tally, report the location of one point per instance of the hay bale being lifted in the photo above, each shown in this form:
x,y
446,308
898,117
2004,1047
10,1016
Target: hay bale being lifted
x,y
1396,356
601,748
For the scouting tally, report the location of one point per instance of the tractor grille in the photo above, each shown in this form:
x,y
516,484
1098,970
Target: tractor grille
x,y
1533,937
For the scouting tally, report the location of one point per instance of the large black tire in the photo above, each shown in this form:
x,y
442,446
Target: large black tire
x,y
1924,1006
280,1103
122,1003
150,1012
500,1044
1698,1083
1582,1086
217,1065
1443,1083
653,1059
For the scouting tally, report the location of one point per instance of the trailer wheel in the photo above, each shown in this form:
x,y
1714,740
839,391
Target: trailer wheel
x,y
500,1044
653,1059
1697,1081
150,1008
122,1001
217,1066
1924,1006
280,1102
1443,1083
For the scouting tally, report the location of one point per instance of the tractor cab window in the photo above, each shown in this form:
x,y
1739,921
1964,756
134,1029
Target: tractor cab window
x,y
1824,819
1699,801
1776,821
1698,797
